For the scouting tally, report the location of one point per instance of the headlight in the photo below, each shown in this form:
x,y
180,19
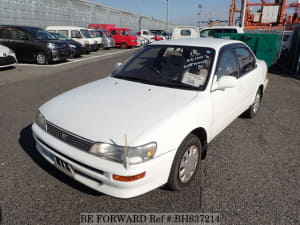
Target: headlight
x,y
41,121
10,51
72,46
127,155
52,45
86,43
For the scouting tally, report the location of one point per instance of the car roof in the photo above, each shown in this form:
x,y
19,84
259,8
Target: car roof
x,y
21,26
199,42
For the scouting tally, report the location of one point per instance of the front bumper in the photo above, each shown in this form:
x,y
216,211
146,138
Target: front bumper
x,y
60,54
7,61
97,173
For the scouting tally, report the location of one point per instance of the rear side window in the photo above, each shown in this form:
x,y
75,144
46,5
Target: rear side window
x,y
63,32
246,60
17,34
5,33
186,32
227,64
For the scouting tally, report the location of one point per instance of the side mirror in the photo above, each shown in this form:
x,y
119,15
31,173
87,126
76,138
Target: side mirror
x,y
117,66
226,82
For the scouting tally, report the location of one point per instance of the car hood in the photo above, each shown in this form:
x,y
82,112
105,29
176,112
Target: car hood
x,y
107,109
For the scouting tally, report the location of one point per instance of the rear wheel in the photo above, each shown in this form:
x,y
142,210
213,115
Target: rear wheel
x,y
186,163
41,58
253,109
124,45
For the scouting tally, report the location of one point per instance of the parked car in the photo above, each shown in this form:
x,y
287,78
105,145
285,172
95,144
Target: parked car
x,y
211,31
7,57
33,44
181,32
180,94
107,39
161,33
123,37
141,41
147,34
76,47
76,33
97,37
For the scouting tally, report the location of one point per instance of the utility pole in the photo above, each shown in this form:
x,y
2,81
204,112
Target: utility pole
x,y
167,16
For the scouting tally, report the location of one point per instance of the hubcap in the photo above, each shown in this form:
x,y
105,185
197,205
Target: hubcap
x,y
40,58
256,103
188,164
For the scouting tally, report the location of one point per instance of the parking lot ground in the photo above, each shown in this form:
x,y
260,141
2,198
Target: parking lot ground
x,y
251,174
23,71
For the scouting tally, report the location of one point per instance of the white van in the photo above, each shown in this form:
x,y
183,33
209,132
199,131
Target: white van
x,y
79,34
211,31
185,32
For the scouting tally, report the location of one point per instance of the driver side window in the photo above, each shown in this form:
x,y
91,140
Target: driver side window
x,y
227,64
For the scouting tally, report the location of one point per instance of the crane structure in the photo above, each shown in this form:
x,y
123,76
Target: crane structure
x,y
267,14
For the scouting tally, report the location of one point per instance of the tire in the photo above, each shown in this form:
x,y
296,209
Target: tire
x,y
41,58
186,163
124,45
253,109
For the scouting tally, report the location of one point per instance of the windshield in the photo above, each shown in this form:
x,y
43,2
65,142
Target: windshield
x,y
85,33
183,67
41,34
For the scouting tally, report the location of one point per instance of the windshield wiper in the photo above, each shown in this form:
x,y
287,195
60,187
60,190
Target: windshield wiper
x,y
136,79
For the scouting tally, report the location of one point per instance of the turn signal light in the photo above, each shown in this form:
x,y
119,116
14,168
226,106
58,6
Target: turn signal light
x,y
128,178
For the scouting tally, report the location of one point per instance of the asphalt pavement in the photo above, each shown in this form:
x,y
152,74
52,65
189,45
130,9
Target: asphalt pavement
x,y
251,174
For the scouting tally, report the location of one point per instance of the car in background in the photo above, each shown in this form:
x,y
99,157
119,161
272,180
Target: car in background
x,y
76,33
183,32
211,31
180,94
147,34
76,47
97,37
141,41
7,57
107,39
123,37
33,44
161,33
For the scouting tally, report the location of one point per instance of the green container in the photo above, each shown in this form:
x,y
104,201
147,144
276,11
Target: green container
x,y
264,46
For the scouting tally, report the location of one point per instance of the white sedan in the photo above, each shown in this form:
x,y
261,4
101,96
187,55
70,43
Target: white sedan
x,y
148,124
7,57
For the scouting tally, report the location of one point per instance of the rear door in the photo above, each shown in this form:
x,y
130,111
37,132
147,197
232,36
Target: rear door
x,y
226,102
248,71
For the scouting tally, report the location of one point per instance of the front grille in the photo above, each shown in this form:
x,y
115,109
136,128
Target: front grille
x,y
69,138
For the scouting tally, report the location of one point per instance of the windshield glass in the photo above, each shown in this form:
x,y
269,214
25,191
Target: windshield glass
x,y
41,34
182,67
85,33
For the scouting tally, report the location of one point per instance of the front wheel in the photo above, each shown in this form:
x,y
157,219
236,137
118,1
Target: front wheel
x,y
186,163
124,45
41,58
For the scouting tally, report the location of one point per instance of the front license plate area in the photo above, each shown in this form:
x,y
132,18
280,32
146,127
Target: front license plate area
x,y
64,166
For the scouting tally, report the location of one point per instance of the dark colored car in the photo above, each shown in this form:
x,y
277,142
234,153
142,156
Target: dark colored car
x,y
33,44
76,47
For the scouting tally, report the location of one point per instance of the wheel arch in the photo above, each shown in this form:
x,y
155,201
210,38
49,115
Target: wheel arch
x,y
201,133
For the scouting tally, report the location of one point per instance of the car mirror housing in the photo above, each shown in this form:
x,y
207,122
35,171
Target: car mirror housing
x,y
117,65
226,81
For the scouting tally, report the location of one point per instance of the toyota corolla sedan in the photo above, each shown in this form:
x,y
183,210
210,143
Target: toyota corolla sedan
x,y
148,124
